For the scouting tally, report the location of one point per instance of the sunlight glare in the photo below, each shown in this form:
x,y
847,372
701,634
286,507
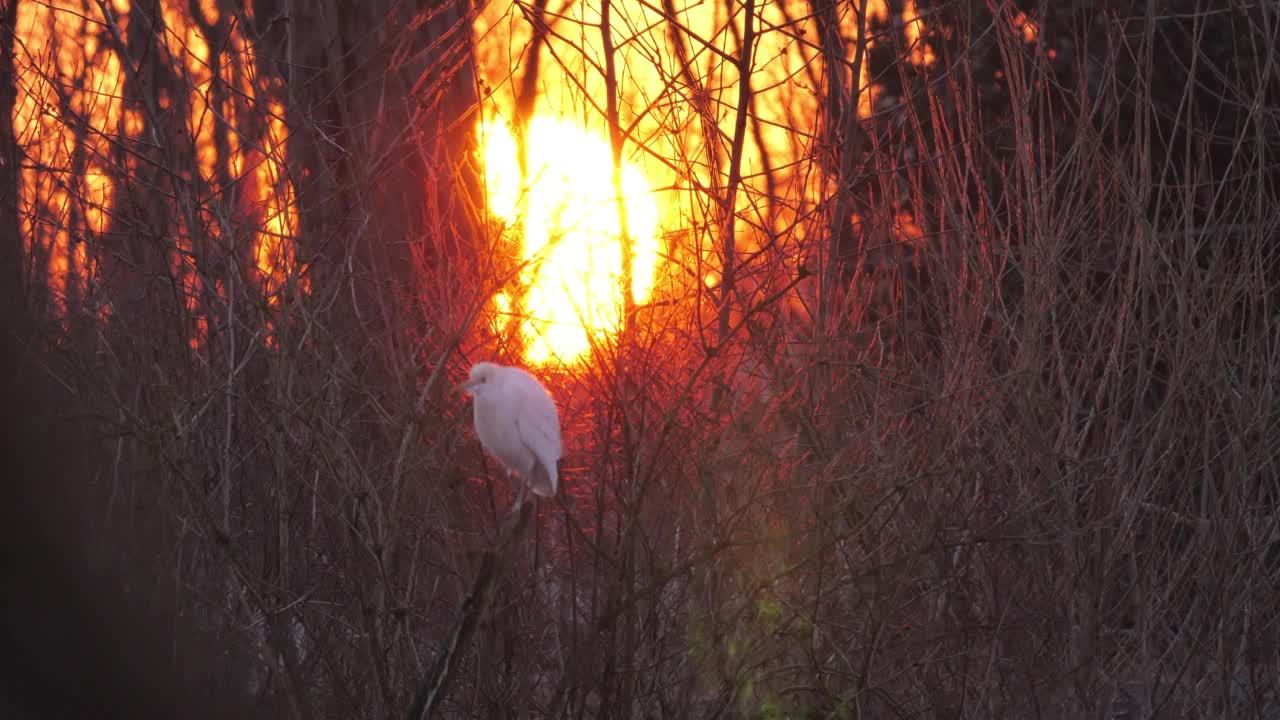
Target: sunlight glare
x,y
571,242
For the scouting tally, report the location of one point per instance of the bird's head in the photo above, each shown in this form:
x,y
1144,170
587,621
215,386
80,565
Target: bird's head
x,y
484,376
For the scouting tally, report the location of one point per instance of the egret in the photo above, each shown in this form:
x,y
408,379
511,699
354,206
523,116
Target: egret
x,y
517,423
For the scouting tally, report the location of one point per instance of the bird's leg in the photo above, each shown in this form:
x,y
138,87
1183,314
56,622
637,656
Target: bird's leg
x,y
520,495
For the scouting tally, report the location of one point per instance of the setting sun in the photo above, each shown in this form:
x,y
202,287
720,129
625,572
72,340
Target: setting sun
x,y
569,230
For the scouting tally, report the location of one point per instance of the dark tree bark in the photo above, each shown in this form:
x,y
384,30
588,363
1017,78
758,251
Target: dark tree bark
x,y
843,138
379,100
11,251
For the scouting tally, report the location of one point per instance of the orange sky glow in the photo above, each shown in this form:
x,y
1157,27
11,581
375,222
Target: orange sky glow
x,y
669,156
72,119
677,89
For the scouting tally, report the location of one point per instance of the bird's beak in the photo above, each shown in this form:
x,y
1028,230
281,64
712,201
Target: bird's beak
x,y
464,387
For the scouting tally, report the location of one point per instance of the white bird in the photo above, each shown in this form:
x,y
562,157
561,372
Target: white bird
x,y
517,422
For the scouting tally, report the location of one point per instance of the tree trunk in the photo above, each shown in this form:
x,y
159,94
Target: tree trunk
x,y
11,252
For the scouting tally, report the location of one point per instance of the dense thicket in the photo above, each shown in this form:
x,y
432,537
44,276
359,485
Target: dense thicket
x,y
989,429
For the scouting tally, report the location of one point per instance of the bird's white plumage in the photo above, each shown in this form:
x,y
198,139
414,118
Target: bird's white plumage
x,y
517,422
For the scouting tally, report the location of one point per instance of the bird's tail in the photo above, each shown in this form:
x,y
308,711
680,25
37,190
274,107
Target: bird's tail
x,y
542,481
